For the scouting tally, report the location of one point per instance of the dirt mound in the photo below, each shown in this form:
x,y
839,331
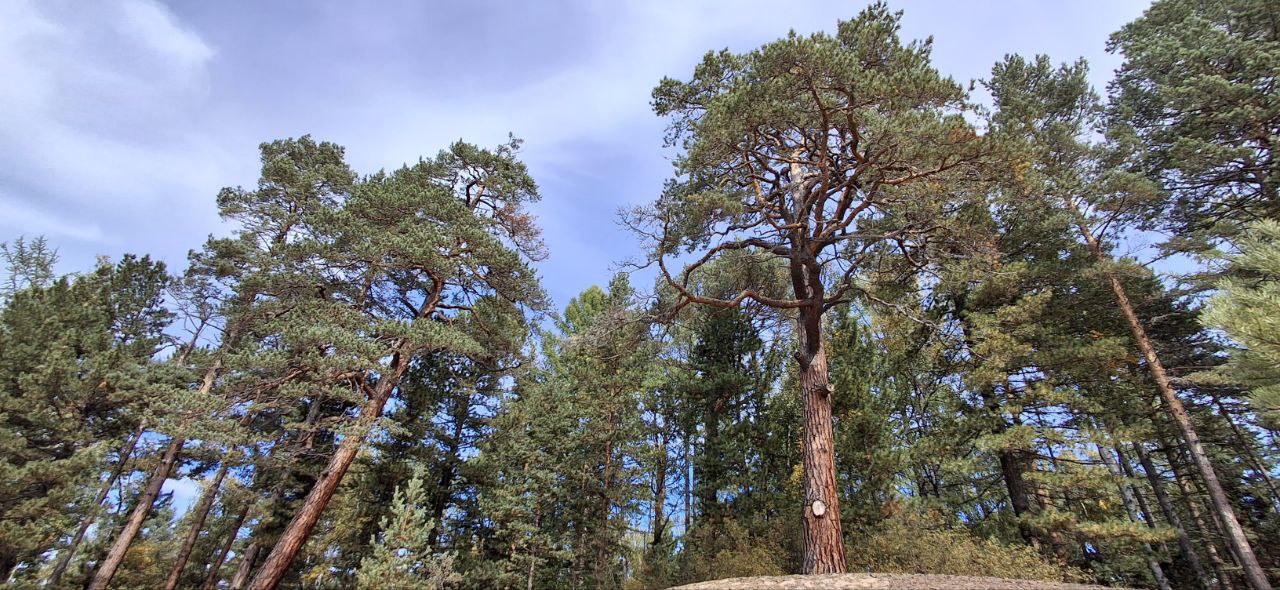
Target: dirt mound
x,y
881,582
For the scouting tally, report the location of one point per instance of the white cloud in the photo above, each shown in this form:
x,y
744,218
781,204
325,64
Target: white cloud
x,y
95,112
23,219
155,26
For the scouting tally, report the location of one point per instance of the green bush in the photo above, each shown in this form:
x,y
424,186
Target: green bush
x,y
727,549
910,543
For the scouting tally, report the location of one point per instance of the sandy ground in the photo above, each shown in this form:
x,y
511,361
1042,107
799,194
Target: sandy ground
x,y
880,581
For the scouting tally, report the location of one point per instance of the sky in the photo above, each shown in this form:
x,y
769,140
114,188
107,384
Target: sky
x,y
121,119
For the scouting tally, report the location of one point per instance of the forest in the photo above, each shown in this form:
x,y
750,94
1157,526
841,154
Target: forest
x,y
873,323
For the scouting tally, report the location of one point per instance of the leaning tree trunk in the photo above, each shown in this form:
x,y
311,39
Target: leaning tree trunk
x,y
299,528
1131,508
64,560
1245,443
823,541
1171,515
1253,572
1190,496
215,566
197,524
107,569
1126,469
245,568
137,517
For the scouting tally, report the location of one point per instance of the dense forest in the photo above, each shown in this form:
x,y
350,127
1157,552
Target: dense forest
x,y
873,323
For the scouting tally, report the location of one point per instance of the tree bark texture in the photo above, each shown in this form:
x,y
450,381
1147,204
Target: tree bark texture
x,y
823,541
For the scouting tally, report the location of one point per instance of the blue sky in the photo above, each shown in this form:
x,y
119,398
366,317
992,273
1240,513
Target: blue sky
x,y
120,119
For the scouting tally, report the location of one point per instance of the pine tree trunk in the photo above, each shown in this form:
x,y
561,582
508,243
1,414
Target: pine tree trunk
x,y
215,566
197,524
1130,506
1126,469
299,528
64,560
660,488
1245,444
706,474
245,568
107,569
1171,515
823,541
688,490
1193,507
1253,573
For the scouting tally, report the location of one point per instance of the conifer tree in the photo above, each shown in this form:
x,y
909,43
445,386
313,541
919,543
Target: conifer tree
x,y
1195,107
1052,111
430,257
402,555
75,363
809,151
1247,308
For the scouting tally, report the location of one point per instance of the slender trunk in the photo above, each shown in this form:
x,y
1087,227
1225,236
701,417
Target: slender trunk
x,y
64,560
688,492
1126,468
1197,516
137,517
823,541
1046,504
1171,515
197,524
299,528
241,578
441,498
1253,573
215,567
1056,545
1245,443
1130,506
660,489
533,549
606,517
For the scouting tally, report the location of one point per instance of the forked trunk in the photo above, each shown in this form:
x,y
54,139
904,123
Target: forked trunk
x,y
823,541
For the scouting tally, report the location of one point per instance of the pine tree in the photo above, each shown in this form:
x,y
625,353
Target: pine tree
x,y
431,257
76,364
1247,308
402,555
775,168
1194,105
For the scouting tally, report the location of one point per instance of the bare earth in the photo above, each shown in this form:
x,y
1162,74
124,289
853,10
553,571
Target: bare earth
x,y
881,582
